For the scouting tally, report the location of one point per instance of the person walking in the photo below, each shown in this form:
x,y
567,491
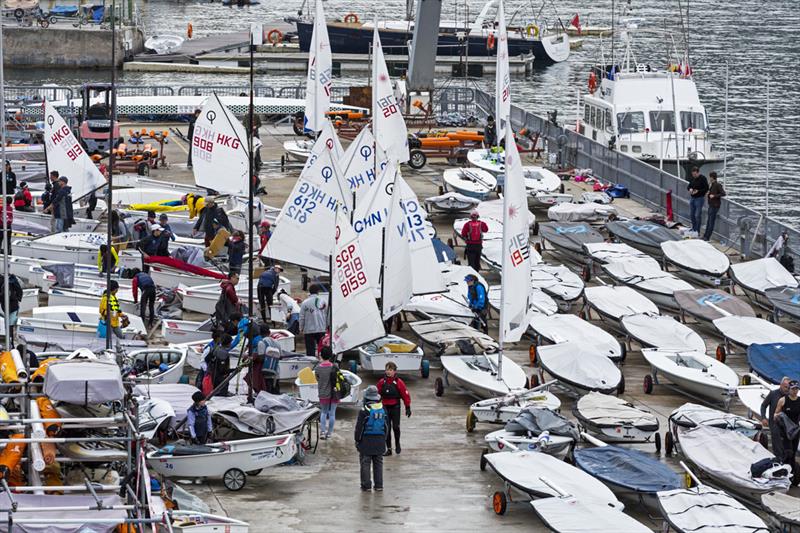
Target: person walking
x,y
326,372
392,390
143,282
768,407
478,302
789,406
218,361
472,232
313,319
199,419
228,303
190,135
698,187
715,193
110,312
370,437
268,283
15,295
61,206
23,199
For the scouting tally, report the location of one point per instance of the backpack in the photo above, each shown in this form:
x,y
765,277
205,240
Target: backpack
x,y
341,386
474,234
375,424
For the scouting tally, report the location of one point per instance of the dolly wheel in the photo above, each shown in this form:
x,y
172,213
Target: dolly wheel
x,y
721,353
425,369
669,443
438,387
483,459
648,384
499,503
746,379
254,472
234,479
471,421
657,438
417,159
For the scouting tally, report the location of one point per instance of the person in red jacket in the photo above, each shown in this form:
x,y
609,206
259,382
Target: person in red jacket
x,y
392,390
23,200
472,233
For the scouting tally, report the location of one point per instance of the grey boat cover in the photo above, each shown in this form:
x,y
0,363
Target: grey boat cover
x,y
445,333
569,327
664,332
536,420
786,300
83,382
783,506
178,395
539,302
558,281
617,302
569,212
50,501
567,515
641,233
705,509
569,235
609,252
603,410
646,276
452,202
701,303
580,365
270,414
745,330
69,342
696,255
726,456
690,415
761,274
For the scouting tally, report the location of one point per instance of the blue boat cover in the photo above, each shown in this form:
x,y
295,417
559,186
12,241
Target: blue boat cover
x,y
631,469
773,361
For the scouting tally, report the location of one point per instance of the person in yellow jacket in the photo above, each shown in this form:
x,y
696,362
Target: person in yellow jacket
x,y
110,311
107,260
195,204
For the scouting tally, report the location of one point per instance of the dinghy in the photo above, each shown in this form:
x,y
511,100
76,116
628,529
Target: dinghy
x,y
163,44
488,160
745,330
697,259
613,419
561,283
446,336
501,409
289,365
64,247
710,304
536,429
493,209
771,362
298,149
492,253
641,234
555,445
754,394
566,514
308,389
156,365
784,301
702,508
478,374
77,321
611,252
203,298
693,373
571,212
571,328
451,202
540,303
659,331
90,296
613,303
374,356
657,285
471,182
691,415
783,510
568,238
758,275
580,367
187,331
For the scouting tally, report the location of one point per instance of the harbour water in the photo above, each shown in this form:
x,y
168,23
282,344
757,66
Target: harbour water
x,y
753,41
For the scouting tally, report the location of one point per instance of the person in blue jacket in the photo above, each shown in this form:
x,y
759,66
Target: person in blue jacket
x,y
478,302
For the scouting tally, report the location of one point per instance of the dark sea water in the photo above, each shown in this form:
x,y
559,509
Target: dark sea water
x,y
755,40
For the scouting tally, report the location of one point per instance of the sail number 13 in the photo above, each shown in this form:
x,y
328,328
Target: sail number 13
x,y
350,273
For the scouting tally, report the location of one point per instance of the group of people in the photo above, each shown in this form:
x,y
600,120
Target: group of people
x,y
699,189
780,412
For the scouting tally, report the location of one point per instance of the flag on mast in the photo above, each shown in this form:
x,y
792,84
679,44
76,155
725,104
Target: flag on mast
x,y
502,96
319,80
389,127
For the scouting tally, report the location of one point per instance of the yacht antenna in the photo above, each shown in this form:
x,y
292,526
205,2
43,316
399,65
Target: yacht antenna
x,y
6,238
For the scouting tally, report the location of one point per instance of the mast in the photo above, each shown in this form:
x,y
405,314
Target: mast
x,y
766,163
110,203
251,173
6,321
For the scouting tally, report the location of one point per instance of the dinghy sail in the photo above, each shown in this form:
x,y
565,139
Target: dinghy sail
x,y
319,80
397,283
388,123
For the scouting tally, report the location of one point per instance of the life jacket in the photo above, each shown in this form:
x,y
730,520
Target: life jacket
x,y
376,420
389,389
474,232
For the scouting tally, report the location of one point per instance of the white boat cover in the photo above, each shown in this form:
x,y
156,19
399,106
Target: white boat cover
x,y
705,509
479,373
287,413
569,212
445,333
570,515
569,235
691,415
572,328
85,510
646,276
603,410
704,372
469,181
452,202
525,469
558,281
783,506
660,331
178,395
608,252
696,255
710,304
492,253
726,456
747,330
540,302
762,274
617,302
83,382
642,233
580,365
494,209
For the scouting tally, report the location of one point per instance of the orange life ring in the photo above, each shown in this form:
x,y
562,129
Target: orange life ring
x,y
189,30
275,36
592,82
490,42
351,18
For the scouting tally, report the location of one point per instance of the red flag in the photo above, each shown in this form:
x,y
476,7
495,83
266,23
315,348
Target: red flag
x,y
576,21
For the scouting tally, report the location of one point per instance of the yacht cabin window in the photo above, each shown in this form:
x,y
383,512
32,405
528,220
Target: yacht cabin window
x,y
692,119
662,121
632,122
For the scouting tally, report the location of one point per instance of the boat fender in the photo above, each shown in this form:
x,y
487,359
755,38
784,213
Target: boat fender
x,y
490,42
351,18
189,30
592,82
532,30
275,36
11,455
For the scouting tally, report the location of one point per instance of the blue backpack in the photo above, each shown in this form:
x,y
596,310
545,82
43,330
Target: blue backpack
x,y
376,420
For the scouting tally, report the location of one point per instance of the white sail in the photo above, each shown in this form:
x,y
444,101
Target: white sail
x,y
219,150
66,155
502,77
427,275
326,140
370,217
303,230
358,164
388,123
320,66
516,248
355,316
397,280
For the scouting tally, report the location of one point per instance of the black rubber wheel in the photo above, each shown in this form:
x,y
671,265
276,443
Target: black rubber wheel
x,y
647,385
746,380
417,159
52,20
254,472
483,459
623,352
721,353
438,387
234,479
536,228
44,23
586,273
471,421
657,442
499,503
621,386
143,169
669,443
19,13
425,369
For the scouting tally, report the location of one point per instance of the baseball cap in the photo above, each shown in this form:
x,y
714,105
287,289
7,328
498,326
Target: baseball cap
x,y
156,227
474,214
794,384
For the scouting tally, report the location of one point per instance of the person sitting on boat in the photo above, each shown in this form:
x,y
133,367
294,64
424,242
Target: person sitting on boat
x,y
476,296
110,311
107,259
212,215
490,132
155,244
163,221
23,199
199,419
472,233
142,281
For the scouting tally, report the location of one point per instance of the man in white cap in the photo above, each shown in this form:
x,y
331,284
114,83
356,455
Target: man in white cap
x,y
472,233
154,244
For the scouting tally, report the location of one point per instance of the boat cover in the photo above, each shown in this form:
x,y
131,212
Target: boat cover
x,y
631,469
783,506
85,511
539,302
642,233
558,281
569,235
744,330
727,456
762,274
445,334
492,252
452,201
537,420
580,365
690,415
569,212
603,410
493,209
706,303
83,382
608,252
617,302
774,361
65,341
271,414
568,515
569,327
786,300
646,276
660,331
696,255
705,509
178,395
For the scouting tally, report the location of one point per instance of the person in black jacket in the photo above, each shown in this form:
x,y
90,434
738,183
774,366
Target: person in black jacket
x,y
212,215
14,300
11,179
189,135
490,133
768,416
370,437
156,243
698,187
